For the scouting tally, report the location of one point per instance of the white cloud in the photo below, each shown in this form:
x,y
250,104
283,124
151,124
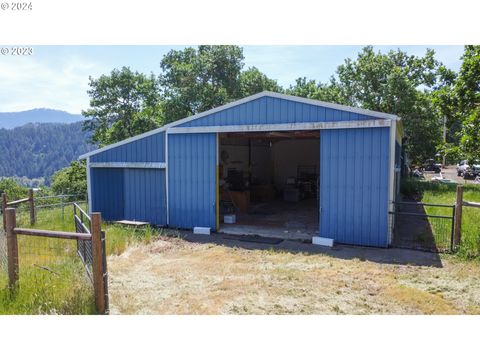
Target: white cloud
x,y
27,83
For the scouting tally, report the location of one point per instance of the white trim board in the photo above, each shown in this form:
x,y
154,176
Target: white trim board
x,y
391,177
89,187
129,165
242,101
282,127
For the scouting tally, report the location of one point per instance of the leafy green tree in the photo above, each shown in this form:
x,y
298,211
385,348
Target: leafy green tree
x,y
467,90
195,80
13,190
399,84
393,83
122,104
253,81
71,180
330,92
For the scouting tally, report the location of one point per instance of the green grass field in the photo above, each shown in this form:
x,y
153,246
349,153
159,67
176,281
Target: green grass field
x,y
52,277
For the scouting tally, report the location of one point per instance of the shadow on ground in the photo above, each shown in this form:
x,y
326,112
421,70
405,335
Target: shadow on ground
x,y
378,255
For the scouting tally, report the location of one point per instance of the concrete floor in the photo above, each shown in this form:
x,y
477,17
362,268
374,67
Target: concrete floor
x,y
277,219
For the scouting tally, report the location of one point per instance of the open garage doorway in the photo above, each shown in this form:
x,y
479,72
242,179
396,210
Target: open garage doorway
x,y
268,184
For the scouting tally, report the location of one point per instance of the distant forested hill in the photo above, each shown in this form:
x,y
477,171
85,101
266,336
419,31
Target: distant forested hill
x,y
38,150
10,120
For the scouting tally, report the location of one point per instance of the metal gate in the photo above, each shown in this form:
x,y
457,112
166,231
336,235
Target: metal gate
x,y
417,225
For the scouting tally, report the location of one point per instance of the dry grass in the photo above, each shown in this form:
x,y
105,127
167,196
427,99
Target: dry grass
x,y
171,276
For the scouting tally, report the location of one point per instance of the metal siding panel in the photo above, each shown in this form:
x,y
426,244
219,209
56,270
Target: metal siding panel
x,y
367,185
358,180
192,179
107,193
342,174
269,110
354,185
243,113
145,198
350,185
151,148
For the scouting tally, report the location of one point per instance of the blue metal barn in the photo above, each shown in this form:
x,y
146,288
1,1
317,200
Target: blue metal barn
x,y
169,176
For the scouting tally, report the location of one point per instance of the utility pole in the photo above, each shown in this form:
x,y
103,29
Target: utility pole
x,y
444,138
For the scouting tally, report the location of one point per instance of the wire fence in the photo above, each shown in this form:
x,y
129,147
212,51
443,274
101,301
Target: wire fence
x,y
51,269
52,275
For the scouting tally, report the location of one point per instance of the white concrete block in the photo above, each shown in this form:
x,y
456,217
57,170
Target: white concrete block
x,y
201,230
317,240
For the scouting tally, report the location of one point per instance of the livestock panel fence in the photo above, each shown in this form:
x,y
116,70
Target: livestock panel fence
x,y
431,227
56,259
422,226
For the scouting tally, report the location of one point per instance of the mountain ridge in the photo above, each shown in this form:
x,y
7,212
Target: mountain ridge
x,y
14,119
37,150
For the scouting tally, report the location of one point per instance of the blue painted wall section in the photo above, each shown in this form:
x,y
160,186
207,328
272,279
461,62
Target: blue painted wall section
x,y
145,200
269,110
107,193
354,167
132,194
147,149
192,180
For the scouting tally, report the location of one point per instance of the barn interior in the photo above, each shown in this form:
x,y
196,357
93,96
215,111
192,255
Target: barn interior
x,y
268,183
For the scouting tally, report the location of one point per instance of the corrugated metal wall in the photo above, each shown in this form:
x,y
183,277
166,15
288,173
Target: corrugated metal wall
x,y
107,193
269,110
131,194
144,193
150,148
354,167
192,180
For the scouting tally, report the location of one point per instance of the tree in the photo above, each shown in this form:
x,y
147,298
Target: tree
x,y
331,92
467,91
71,180
122,104
13,190
445,102
195,80
399,84
253,81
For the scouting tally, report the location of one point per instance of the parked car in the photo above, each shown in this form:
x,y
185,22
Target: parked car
x,y
431,165
462,166
472,172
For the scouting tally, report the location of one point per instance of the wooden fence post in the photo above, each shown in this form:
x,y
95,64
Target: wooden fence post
x,y
458,216
31,201
63,207
97,266
12,246
4,206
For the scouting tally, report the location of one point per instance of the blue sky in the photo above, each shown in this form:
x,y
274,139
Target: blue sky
x,y
57,76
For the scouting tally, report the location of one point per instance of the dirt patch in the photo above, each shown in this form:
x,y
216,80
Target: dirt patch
x,y
173,276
